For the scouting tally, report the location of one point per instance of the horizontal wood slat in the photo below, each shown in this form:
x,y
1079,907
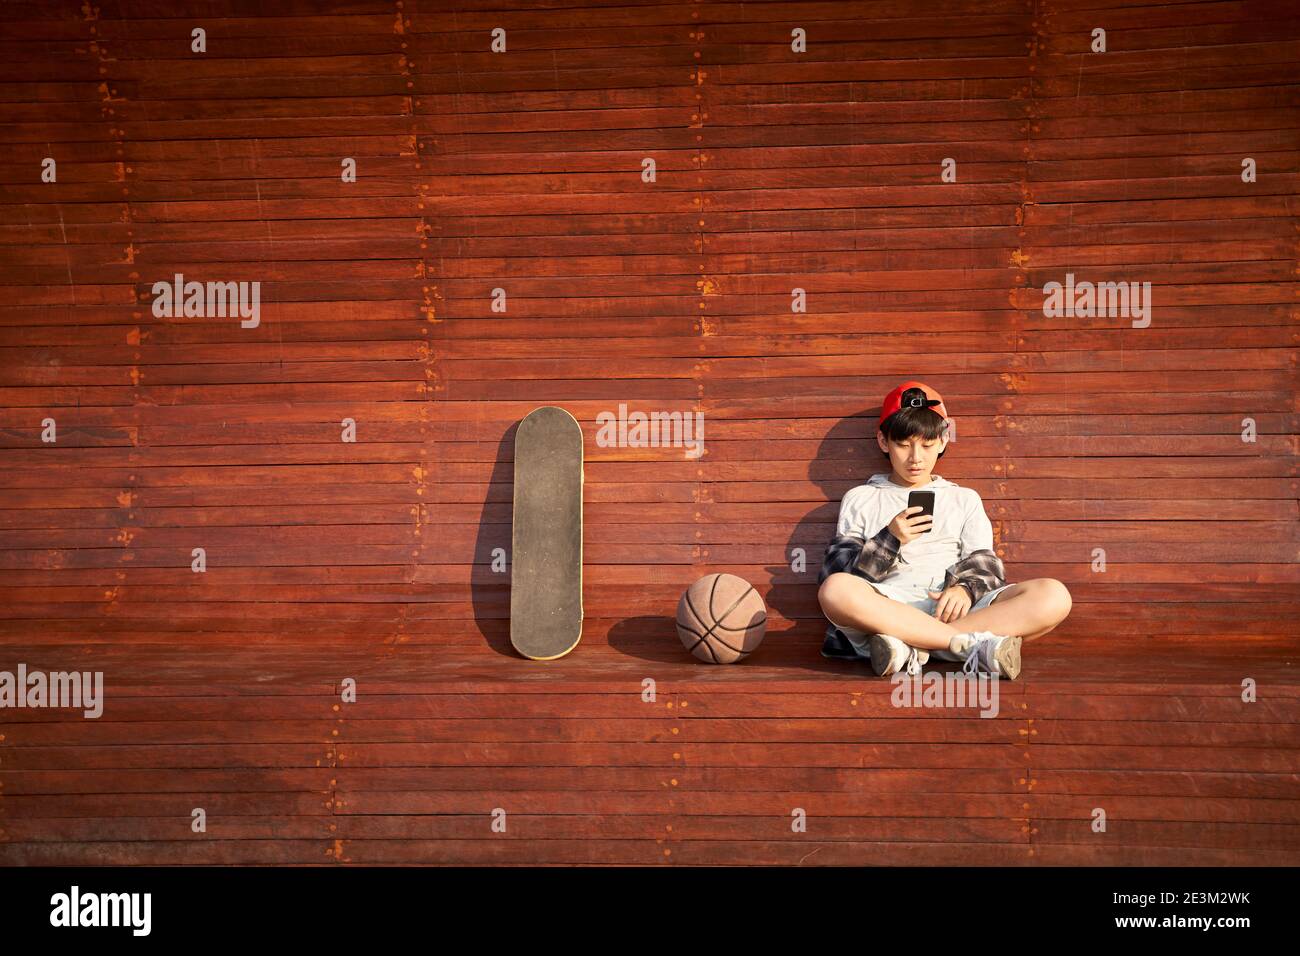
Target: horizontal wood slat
x,y
1169,446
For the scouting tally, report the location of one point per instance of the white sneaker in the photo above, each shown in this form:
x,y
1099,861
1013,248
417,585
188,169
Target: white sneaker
x,y
889,655
988,653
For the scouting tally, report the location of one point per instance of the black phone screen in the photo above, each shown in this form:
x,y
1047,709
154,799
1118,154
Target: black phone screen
x,y
926,500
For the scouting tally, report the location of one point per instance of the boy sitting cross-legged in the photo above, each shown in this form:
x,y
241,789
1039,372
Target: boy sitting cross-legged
x,y
898,588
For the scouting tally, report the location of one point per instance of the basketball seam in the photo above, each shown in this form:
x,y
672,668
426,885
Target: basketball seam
x,y
720,617
690,630
709,632
761,620
707,646
719,637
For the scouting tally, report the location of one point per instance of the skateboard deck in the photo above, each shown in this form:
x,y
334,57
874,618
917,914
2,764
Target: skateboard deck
x,y
546,542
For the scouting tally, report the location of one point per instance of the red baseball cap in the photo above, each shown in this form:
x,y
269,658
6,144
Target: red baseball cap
x,y
911,395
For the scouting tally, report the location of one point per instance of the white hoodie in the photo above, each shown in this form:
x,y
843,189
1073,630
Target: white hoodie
x,y
960,527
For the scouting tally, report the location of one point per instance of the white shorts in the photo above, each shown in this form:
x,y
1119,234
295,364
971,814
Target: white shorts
x,y
918,598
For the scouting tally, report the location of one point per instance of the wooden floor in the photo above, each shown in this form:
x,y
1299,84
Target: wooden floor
x,y
1152,469
587,772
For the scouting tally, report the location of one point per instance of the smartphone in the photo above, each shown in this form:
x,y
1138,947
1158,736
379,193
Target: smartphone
x,y
926,500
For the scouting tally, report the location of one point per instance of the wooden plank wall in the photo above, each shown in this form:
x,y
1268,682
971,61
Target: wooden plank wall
x,y
524,171
671,296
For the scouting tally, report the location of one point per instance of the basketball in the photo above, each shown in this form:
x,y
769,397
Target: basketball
x,y
721,619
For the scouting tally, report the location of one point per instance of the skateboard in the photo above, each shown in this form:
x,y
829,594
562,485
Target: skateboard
x,y
546,541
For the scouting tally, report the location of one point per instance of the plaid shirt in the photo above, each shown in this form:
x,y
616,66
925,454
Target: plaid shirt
x,y
979,572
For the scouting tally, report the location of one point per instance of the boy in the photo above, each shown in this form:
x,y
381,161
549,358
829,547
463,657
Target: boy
x,y
894,584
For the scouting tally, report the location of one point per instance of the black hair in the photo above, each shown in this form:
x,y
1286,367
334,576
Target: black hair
x,y
907,422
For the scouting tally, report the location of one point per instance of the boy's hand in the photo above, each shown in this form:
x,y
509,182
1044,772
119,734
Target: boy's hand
x,y
908,527
952,603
